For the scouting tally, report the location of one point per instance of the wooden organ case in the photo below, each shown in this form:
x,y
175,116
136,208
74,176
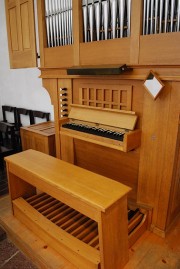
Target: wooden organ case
x,y
147,158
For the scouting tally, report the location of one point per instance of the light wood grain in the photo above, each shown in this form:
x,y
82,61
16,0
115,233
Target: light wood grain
x,y
39,137
78,253
150,251
21,33
30,244
98,198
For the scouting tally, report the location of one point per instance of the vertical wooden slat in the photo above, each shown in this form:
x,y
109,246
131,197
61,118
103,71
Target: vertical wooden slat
x,y
51,85
41,29
77,30
136,25
115,219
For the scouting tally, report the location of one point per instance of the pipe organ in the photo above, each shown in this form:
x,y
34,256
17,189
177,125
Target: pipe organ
x,y
143,34
88,108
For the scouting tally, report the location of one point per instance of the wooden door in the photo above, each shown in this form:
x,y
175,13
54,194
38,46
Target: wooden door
x,y
21,33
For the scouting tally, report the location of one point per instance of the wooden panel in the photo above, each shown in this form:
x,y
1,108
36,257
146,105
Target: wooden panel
x,y
170,156
41,29
114,164
18,187
25,30
160,124
105,52
58,56
174,203
114,219
51,85
40,137
40,144
136,86
77,30
22,59
11,3
108,117
136,21
113,97
160,49
13,29
67,148
154,129
26,141
21,33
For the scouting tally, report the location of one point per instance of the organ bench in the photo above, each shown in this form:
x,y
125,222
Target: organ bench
x,y
79,213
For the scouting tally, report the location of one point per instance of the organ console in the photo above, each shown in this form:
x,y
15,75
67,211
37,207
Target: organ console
x,y
107,127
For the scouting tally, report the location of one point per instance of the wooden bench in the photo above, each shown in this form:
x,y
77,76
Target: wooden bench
x,y
51,196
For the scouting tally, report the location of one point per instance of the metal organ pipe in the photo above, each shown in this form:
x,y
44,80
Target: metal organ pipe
x,y
91,20
144,17
113,4
161,15
97,7
172,13
47,21
121,16
105,12
128,17
156,15
106,19
164,16
85,20
58,14
152,15
178,15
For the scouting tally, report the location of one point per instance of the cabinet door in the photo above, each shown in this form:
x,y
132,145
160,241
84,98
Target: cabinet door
x,y
21,33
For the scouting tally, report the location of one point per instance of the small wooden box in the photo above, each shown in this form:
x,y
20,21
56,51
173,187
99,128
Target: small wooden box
x,y
39,137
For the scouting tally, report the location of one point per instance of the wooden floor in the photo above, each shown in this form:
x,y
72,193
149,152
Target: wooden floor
x,y
154,252
149,252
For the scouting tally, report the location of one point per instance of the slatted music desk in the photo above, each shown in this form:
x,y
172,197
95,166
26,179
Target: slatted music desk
x,y
79,213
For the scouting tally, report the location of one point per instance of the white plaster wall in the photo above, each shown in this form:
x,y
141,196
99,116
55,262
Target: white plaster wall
x,y
19,87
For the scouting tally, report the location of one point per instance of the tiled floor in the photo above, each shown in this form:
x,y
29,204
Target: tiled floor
x,y
10,256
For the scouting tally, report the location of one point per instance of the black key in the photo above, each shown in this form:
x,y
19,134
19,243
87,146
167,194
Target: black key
x,y
95,131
